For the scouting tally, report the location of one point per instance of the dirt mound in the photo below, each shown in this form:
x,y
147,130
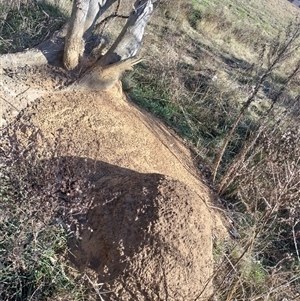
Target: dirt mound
x,y
145,235
148,230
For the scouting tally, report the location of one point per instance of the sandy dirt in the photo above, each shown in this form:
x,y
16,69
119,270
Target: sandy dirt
x,y
147,232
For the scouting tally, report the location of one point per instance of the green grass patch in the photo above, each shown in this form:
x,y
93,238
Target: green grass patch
x,y
162,107
194,18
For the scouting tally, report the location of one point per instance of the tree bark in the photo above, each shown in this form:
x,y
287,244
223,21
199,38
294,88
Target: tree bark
x,y
69,42
96,8
121,55
47,52
130,38
52,50
74,44
85,13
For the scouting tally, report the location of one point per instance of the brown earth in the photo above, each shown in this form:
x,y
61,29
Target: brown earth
x,y
148,229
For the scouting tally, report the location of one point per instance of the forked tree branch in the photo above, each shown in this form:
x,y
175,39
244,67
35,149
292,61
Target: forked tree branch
x,y
52,50
130,38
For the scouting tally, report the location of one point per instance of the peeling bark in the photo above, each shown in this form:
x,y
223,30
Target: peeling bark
x,y
130,38
96,9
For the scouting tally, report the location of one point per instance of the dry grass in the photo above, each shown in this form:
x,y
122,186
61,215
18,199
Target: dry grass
x,y
213,59
39,199
25,26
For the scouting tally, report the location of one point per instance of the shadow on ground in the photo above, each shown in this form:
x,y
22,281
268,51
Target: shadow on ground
x,y
144,235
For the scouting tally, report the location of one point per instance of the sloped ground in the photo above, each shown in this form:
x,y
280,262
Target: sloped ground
x,y
148,225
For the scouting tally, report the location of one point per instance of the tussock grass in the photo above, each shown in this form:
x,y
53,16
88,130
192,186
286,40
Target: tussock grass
x,y
25,26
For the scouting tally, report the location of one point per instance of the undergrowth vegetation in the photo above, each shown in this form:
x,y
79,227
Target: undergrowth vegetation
x,y
27,25
226,76
37,199
228,80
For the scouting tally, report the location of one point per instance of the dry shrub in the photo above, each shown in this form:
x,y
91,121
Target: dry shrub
x,y
264,204
271,180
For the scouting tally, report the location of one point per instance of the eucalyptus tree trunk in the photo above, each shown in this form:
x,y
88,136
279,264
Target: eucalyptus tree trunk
x,y
130,38
74,43
69,43
85,13
121,55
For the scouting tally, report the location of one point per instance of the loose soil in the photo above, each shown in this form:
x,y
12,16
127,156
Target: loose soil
x,y
148,228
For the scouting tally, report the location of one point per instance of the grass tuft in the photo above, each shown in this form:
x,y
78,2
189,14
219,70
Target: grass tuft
x,y
26,26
